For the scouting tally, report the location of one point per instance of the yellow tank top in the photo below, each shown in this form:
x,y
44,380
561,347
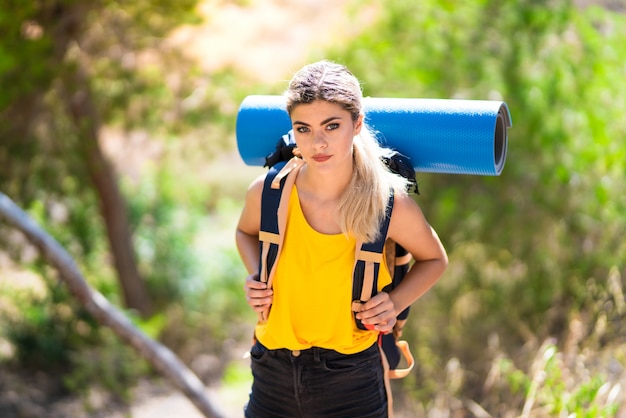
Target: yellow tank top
x,y
313,291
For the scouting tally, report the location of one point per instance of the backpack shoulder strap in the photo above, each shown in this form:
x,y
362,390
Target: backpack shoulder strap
x,y
274,205
367,263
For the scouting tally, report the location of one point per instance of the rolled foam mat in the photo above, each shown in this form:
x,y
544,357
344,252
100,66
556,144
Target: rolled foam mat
x,y
438,135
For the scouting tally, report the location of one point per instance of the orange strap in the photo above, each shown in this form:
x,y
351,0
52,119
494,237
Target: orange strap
x,y
394,374
386,372
406,352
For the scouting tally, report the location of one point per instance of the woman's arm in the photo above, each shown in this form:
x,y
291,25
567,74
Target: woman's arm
x,y
409,228
247,239
248,227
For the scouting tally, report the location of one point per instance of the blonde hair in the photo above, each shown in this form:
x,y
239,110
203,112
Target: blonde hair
x,y
363,205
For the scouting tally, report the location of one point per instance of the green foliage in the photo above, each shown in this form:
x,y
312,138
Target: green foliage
x,y
183,251
157,18
49,331
118,49
112,366
235,374
163,229
139,83
532,249
184,236
22,71
48,328
558,385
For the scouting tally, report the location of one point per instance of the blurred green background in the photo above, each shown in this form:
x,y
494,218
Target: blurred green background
x,y
117,136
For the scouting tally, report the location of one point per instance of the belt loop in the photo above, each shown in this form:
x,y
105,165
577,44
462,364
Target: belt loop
x,y
316,354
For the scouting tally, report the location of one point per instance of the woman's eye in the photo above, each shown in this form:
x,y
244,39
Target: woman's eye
x,y
302,129
332,126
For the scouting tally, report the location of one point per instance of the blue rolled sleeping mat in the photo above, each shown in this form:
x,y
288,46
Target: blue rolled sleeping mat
x,y
438,135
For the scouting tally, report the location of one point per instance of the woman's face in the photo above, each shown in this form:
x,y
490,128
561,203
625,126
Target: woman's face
x,y
324,133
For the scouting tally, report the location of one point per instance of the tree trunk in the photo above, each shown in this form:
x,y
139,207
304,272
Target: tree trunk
x,y
64,21
81,108
161,358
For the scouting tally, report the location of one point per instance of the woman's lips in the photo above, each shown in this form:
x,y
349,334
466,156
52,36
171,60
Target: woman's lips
x,y
321,158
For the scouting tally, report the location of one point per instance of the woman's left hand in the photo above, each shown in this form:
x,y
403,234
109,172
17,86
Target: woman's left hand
x,y
380,312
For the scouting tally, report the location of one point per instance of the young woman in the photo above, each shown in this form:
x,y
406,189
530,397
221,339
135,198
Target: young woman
x,y
310,359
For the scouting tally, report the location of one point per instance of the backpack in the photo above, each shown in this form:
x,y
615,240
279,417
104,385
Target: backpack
x,y
283,169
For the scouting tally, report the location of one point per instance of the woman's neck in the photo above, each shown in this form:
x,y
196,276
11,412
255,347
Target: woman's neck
x,y
324,185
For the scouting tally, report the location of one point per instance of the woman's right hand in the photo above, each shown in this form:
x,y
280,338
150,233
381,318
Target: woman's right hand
x,y
258,296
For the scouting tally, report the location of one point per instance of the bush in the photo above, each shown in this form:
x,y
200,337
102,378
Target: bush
x,y
532,250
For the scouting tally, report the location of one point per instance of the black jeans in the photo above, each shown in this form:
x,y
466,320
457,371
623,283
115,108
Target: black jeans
x,y
316,383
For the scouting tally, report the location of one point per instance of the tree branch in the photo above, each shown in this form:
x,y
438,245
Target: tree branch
x,y
161,358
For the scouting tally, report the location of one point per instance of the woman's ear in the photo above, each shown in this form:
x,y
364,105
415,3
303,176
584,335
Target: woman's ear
x,y
358,124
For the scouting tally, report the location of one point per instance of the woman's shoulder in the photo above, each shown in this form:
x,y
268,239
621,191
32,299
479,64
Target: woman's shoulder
x,y
250,218
256,186
405,211
403,201
255,191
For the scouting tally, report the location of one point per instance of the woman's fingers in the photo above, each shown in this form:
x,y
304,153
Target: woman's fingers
x,y
380,312
258,296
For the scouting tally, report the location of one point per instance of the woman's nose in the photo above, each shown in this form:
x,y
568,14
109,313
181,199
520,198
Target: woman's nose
x,y
320,140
